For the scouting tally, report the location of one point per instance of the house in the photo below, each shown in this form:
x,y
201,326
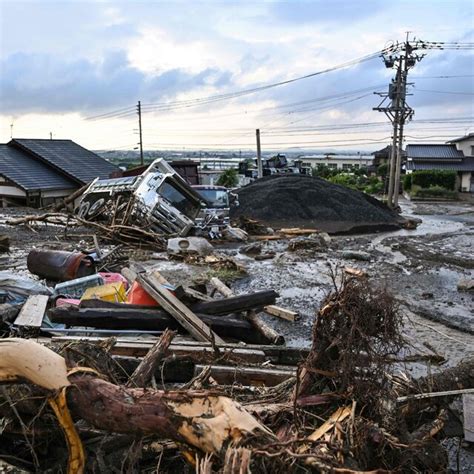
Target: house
x,y
37,172
464,144
334,161
442,157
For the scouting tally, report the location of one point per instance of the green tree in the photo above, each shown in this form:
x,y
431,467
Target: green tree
x,y
382,170
229,178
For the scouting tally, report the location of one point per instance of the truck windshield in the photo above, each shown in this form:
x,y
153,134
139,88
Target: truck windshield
x,y
177,199
215,198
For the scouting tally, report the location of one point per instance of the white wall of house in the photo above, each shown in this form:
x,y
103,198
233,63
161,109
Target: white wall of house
x,y
466,178
340,162
13,191
57,193
466,146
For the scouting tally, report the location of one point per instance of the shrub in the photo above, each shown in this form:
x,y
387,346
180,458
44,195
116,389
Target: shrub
x,y
407,182
430,178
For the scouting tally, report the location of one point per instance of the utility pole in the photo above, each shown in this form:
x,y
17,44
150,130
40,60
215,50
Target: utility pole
x,y
11,131
50,135
139,109
259,155
398,111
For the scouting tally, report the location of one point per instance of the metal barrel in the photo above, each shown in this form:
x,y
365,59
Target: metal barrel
x,y
58,265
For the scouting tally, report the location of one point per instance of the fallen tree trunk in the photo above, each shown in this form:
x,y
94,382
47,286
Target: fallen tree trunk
x,y
201,419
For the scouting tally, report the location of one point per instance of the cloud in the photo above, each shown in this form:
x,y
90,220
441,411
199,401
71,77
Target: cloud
x,y
44,83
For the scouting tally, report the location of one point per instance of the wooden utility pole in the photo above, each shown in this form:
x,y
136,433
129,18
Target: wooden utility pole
x,y
139,108
259,155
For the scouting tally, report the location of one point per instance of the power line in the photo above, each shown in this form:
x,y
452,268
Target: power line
x,y
444,92
231,95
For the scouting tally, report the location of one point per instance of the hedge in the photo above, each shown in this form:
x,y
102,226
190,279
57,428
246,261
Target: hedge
x,y
429,178
435,192
407,182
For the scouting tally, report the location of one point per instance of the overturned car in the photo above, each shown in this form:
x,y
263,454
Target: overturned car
x,y
159,200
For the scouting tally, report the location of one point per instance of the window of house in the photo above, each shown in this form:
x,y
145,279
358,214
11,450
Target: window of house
x,y
333,166
346,166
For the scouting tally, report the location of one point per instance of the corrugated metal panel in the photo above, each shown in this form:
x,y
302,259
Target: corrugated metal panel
x,y
29,173
434,151
467,164
69,157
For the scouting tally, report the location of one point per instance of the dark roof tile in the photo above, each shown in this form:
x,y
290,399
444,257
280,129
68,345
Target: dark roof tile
x,y
67,156
434,152
29,173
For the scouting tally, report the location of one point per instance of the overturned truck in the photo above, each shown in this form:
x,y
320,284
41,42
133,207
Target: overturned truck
x,y
158,200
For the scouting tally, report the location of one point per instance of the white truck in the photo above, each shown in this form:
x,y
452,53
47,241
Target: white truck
x,y
159,200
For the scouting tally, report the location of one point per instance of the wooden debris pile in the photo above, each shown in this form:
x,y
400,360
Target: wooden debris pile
x,y
119,231
107,405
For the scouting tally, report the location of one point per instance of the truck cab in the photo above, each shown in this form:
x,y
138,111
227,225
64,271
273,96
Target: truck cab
x,y
158,200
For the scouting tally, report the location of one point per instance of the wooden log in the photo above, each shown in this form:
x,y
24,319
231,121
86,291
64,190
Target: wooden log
x,y
32,312
222,288
249,376
282,313
236,304
263,328
230,326
143,373
186,318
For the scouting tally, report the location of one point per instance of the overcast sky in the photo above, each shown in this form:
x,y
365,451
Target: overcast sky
x,y
65,61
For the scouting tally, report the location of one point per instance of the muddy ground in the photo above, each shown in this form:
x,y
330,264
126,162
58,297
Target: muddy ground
x,y
421,267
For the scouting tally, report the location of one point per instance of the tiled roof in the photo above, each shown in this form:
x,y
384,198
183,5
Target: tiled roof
x,y
434,152
68,157
29,173
467,164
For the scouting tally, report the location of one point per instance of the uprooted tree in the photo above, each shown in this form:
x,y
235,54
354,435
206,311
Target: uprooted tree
x,y
340,414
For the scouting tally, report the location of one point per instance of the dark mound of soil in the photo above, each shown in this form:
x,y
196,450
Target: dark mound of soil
x,y
303,201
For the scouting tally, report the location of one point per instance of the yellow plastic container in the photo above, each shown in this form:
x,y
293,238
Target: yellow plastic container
x,y
114,292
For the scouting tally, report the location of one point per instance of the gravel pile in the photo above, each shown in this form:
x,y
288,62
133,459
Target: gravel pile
x,y
303,201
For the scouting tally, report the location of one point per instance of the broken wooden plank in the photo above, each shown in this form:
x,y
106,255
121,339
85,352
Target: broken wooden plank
x,y
197,294
251,376
298,231
339,415
268,237
32,312
195,326
447,393
355,272
282,313
468,411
